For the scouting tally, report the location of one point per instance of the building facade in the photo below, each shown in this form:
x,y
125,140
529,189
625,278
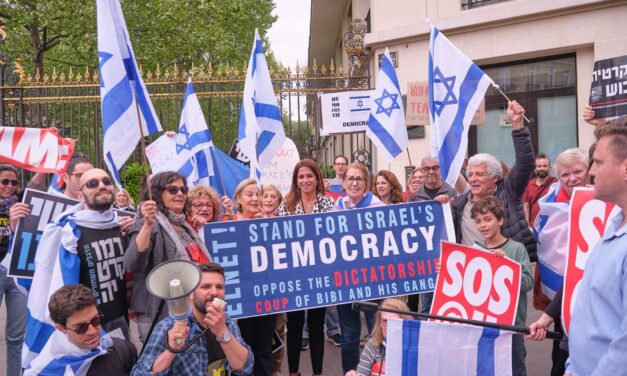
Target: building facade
x,y
539,52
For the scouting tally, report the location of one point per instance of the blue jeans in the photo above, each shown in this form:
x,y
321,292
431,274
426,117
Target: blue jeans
x,y
350,325
16,321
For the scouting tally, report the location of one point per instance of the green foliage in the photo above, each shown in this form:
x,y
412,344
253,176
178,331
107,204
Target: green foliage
x,y
162,32
131,177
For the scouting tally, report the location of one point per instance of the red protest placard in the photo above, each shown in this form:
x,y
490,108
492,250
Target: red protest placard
x,y
587,222
474,284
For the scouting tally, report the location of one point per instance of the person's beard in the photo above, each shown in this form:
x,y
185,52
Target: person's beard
x,y
202,306
542,174
100,204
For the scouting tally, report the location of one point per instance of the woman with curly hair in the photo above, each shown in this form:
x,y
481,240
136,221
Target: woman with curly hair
x,y
387,188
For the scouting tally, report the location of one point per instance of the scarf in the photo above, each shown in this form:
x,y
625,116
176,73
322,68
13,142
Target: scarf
x,y
368,201
61,357
56,264
166,220
6,203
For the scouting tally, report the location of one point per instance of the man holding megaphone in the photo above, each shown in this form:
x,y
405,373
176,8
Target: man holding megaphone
x,y
206,340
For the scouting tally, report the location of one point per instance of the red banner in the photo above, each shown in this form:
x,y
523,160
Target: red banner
x,y
34,149
587,222
475,284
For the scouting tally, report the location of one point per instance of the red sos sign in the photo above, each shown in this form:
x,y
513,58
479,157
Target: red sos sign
x,y
475,284
588,220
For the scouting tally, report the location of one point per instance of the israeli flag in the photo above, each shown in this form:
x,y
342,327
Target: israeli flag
x,y
125,100
430,348
386,125
456,88
551,232
193,139
260,132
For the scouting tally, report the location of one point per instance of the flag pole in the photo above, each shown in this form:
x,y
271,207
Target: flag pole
x,y
506,97
373,307
142,144
409,157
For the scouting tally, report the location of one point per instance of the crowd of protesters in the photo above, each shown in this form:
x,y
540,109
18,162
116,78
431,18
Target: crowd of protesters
x,y
492,207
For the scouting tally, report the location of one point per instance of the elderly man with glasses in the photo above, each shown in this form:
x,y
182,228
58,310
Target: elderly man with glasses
x,y
77,343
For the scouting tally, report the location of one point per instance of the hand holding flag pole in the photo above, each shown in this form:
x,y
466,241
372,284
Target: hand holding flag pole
x,y
374,307
507,98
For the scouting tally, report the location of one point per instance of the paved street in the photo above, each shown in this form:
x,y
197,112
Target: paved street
x,y
538,353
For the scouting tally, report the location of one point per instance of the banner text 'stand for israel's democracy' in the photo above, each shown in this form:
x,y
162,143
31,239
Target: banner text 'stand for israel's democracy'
x,y
475,284
298,262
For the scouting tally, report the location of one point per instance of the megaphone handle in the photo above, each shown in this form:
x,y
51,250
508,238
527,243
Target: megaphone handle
x,y
184,348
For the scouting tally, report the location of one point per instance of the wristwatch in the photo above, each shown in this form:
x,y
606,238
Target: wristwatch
x,y
224,338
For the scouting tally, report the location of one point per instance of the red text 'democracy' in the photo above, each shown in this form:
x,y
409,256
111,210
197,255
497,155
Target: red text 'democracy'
x,y
475,284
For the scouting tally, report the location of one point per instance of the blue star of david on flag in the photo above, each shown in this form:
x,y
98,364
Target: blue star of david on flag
x,y
449,84
380,103
182,135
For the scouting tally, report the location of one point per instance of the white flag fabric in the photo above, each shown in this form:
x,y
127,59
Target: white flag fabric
x,y
122,90
386,124
57,264
431,348
261,132
456,88
193,138
62,358
551,232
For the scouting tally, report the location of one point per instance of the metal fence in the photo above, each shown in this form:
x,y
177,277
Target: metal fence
x,y
71,102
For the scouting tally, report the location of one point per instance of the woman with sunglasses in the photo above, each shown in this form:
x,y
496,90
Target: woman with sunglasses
x,y
306,196
161,233
15,300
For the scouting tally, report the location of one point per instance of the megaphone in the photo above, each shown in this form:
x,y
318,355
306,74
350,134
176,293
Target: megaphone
x,y
173,281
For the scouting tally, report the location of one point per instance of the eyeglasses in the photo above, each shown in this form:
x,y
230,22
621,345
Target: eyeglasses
x,y
355,179
200,205
95,183
173,189
7,181
431,169
82,327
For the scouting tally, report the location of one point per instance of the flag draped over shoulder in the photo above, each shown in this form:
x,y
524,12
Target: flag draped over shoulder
x,y
430,348
56,264
125,100
260,132
456,88
386,125
61,357
34,149
551,232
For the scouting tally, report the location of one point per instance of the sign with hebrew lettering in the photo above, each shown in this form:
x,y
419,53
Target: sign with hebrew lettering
x,y
305,261
608,92
44,207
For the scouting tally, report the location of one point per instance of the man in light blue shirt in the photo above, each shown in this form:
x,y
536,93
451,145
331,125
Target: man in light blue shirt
x,y
598,329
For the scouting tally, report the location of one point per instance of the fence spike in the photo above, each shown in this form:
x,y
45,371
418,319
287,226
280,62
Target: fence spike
x,y
158,71
54,74
332,67
46,79
340,71
323,70
95,77
87,73
37,76
62,77
315,67
70,76
175,72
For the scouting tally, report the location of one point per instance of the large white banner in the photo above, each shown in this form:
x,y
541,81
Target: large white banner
x,y
345,112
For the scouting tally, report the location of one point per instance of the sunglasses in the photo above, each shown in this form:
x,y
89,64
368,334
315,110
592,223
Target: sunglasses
x,y
7,181
173,189
95,183
82,327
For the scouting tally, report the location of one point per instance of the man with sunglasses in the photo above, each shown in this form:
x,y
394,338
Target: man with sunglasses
x,y
77,342
436,189
84,245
